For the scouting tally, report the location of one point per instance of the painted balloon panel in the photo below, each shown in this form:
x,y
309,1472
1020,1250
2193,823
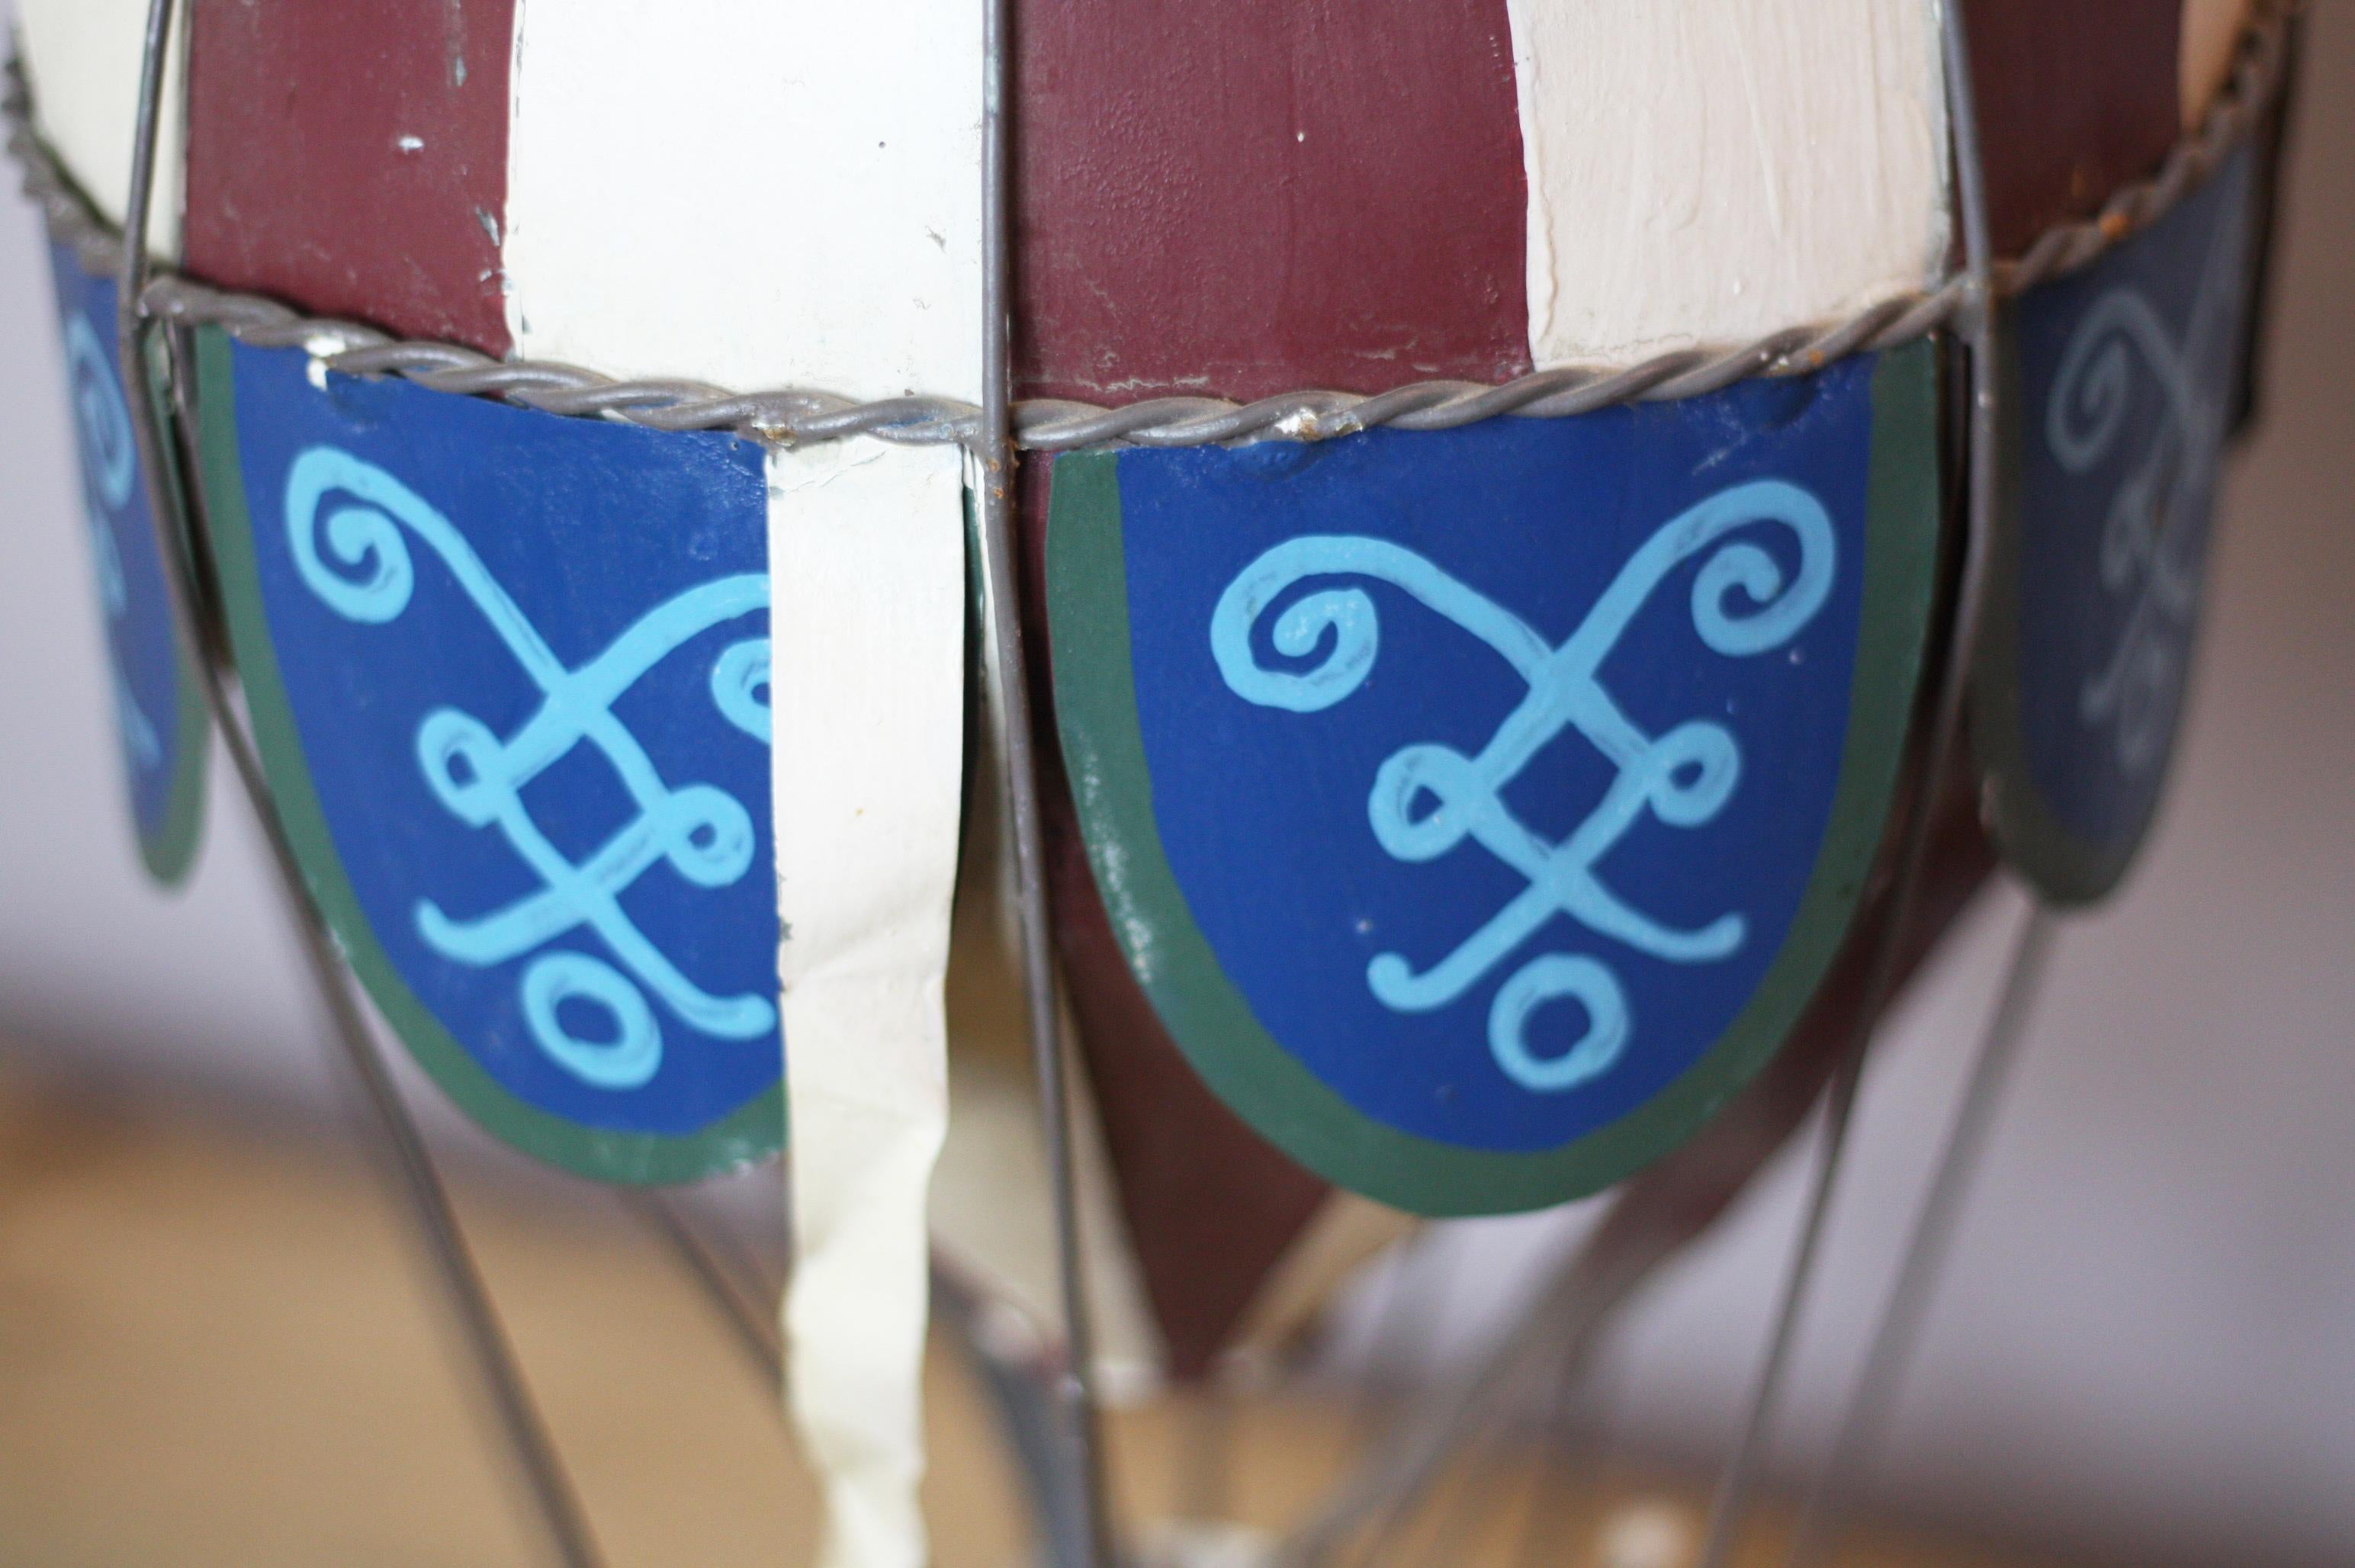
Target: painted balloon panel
x,y
158,707
1353,215
510,674
381,198
2126,375
1463,799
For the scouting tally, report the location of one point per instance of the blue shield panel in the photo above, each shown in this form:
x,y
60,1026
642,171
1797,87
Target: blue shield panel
x,y
510,673
2121,380
159,706
1480,808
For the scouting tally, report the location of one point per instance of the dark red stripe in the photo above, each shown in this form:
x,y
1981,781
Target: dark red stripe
x,y
2074,101
1247,197
300,186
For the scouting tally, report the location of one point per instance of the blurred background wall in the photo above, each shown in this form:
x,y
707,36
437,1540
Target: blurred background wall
x,y
2145,1351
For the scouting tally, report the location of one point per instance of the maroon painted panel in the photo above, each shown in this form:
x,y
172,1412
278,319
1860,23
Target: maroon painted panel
x,y
2074,101
352,159
1246,198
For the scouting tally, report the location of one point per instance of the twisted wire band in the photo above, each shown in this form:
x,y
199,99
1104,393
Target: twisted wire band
x,y
800,416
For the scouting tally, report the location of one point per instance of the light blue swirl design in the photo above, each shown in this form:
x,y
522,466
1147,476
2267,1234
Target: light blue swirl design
x,y
110,461
739,686
1428,798
109,470
139,737
358,511
2151,545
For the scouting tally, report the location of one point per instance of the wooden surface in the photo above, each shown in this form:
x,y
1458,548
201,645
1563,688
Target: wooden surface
x,y
213,1350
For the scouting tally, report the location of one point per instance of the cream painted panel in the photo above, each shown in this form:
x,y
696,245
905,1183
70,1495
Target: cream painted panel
x,y
867,692
1713,170
82,58
749,192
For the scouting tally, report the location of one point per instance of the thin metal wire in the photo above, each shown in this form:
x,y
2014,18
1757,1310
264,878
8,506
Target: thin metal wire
x,y
1482,1475
1979,322
1025,1391
1550,1472
1017,1389
1734,1484
557,1507
993,452
1567,1318
1403,1336
799,415
1506,1438
1902,1316
754,1329
1580,1429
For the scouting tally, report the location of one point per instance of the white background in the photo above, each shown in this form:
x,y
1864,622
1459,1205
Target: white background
x,y
2147,1349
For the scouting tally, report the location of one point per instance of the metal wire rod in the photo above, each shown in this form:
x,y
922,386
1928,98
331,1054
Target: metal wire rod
x,y
402,1152
1565,1437
1024,1393
994,458
1021,1394
754,1329
428,1203
1734,1483
1648,1221
1505,1438
1482,1474
1566,1318
796,415
1902,1316
1978,271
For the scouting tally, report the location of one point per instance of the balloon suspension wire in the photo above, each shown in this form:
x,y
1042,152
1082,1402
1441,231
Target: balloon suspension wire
x,y
1872,1400
1737,1479
994,461
403,1148
724,1281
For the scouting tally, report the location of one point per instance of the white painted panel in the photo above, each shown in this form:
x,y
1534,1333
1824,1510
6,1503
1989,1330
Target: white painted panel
x,y
82,58
867,689
1707,172
751,192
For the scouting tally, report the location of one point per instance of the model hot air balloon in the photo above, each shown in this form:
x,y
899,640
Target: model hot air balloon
x,y
1490,548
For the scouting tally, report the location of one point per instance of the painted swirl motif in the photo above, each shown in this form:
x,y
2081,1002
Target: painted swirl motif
x,y
347,522
1428,798
109,471
2151,542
